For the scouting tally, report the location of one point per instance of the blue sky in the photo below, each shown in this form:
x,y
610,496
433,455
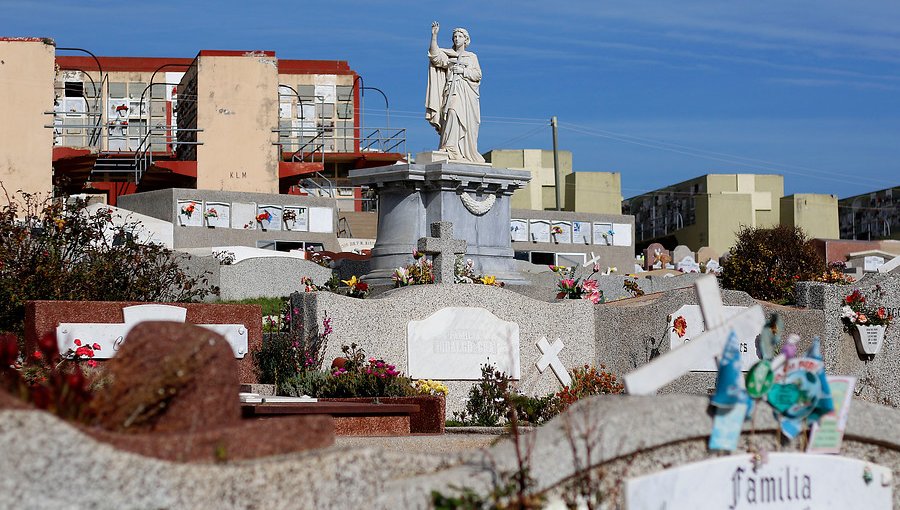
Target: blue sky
x,y
660,91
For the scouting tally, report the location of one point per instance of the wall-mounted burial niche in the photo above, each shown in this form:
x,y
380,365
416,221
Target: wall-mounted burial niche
x,y
217,214
321,219
581,232
562,232
268,217
190,213
243,215
539,230
295,218
518,230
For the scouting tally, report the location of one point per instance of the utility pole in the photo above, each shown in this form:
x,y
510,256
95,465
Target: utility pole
x,y
555,163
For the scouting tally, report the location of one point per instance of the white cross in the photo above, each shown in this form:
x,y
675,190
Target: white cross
x,y
594,259
647,379
551,358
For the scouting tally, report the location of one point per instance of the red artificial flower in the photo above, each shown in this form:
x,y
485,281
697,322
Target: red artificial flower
x,y
96,346
680,326
77,342
91,363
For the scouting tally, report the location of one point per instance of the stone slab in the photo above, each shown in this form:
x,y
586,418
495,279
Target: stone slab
x,y
784,481
454,342
43,317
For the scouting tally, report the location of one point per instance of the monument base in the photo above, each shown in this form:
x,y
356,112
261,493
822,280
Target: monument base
x,y
474,198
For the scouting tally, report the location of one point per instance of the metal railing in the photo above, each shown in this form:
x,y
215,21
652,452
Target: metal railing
x,y
312,147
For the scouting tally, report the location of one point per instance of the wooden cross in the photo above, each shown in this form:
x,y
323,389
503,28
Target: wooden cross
x,y
441,243
647,379
550,359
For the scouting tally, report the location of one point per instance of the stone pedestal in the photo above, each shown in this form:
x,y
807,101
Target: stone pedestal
x,y
475,198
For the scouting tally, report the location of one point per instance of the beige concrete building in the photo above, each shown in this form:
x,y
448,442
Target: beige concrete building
x,y
871,216
816,214
223,120
26,95
707,210
590,192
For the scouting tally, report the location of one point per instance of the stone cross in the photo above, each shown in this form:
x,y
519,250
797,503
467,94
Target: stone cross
x,y
443,249
677,362
551,358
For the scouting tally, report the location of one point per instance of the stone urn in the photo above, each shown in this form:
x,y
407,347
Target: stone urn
x,y
868,339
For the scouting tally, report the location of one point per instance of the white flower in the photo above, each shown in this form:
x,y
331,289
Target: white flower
x,y
848,313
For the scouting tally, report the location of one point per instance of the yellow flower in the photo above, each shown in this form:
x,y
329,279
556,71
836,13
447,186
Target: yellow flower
x,y
351,282
488,280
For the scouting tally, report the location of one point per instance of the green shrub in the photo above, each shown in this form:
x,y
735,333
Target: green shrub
x,y
355,377
286,353
766,263
57,250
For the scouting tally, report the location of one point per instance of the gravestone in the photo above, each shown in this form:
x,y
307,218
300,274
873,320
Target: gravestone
x,y
688,265
539,230
712,266
443,249
170,377
680,252
645,380
475,198
653,256
706,253
785,480
108,322
453,343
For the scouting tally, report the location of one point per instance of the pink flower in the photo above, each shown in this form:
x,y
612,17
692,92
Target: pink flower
x,y
594,297
589,285
862,318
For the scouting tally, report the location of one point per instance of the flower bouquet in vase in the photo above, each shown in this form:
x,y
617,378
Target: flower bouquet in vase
x,y
867,323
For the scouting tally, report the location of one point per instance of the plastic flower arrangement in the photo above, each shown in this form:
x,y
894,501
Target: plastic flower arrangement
x,y
464,272
356,288
680,326
856,311
211,213
835,274
188,209
263,216
289,215
556,230
430,387
83,351
420,272
572,287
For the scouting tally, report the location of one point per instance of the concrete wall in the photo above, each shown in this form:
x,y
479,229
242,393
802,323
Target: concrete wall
x,y
163,204
237,109
594,192
878,380
621,257
26,92
816,214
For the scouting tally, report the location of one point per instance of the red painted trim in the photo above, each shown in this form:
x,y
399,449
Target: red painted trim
x,y
69,152
186,168
314,67
118,64
288,169
357,136
234,53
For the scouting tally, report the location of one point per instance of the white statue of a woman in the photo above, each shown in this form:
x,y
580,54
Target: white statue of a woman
x,y
452,100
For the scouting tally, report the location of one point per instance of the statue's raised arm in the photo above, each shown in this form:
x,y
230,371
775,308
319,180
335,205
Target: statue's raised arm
x,y
452,98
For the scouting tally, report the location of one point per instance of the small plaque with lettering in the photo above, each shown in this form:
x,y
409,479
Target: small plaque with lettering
x,y
454,342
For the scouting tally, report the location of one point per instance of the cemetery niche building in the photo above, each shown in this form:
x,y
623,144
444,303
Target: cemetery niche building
x,y
242,121
710,209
